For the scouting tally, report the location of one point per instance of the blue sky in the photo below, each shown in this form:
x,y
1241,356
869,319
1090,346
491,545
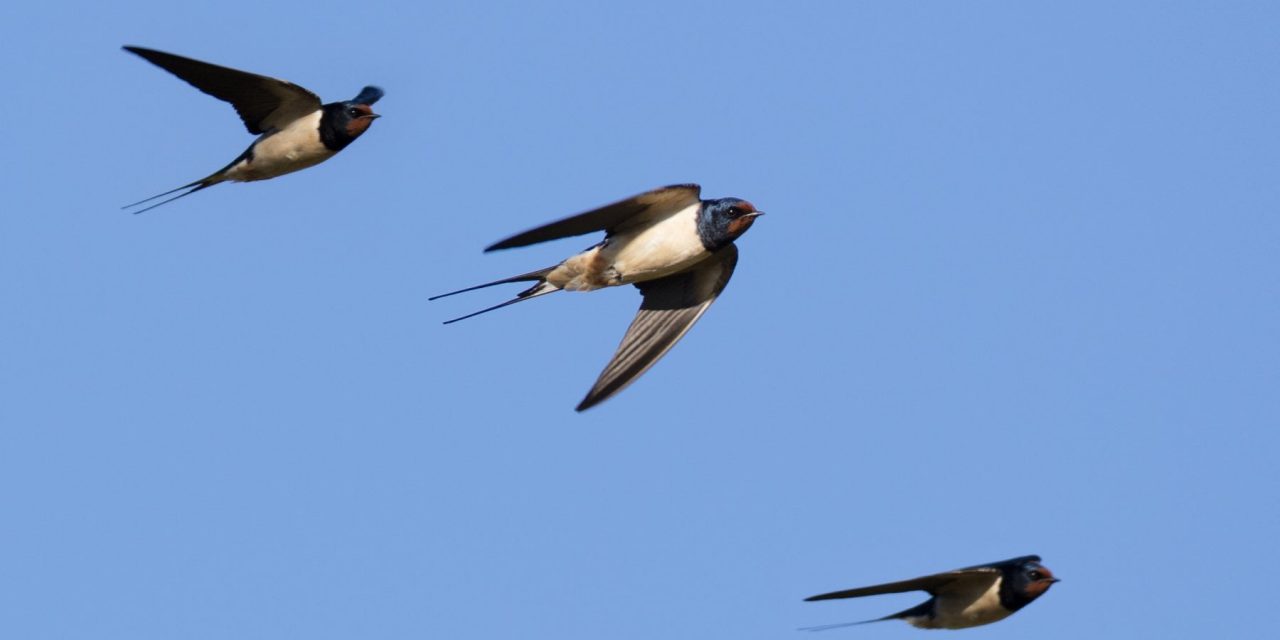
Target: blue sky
x,y
1017,292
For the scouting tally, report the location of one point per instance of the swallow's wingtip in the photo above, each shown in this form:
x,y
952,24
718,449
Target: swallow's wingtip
x,y
369,95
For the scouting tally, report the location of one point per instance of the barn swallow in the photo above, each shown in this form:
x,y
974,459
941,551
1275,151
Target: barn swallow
x,y
676,248
294,130
962,598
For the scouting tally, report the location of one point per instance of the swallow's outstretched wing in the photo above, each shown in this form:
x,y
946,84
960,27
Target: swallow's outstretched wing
x,y
263,103
636,210
936,584
670,308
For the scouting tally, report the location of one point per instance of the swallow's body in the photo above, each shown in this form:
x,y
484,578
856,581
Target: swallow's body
x,y
274,154
963,598
970,608
673,246
295,131
669,245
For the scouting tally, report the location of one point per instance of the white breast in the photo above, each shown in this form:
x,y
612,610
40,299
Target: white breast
x,y
959,611
295,147
666,247
984,608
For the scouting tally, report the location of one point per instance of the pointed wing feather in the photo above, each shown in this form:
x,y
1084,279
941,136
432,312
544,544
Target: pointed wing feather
x,y
634,210
927,583
670,308
934,584
263,103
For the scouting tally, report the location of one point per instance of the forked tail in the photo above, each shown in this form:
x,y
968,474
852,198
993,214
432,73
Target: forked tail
x,y
921,610
840,625
540,288
203,183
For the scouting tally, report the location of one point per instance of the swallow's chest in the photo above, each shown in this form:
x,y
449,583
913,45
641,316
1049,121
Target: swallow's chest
x,y
295,147
982,607
664,247
669,246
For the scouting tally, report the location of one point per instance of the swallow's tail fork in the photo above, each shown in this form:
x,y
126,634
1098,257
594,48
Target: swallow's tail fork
x,y
541,288
203,183
920,610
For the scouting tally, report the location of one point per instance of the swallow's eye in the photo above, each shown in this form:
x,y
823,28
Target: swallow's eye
x,y
735,212
1035,575
353,111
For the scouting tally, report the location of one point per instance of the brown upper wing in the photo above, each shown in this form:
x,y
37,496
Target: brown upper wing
x,y
611,217
263,103
671,305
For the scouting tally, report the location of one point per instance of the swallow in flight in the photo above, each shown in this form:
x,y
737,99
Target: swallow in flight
x,y
962,598
676,248
294,129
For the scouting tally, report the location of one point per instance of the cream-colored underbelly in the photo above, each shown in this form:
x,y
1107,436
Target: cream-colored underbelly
x,y
293,148
669,246
960,614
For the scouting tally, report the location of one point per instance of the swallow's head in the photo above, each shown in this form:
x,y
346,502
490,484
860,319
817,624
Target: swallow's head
x,y
357,113
1032,579
722,221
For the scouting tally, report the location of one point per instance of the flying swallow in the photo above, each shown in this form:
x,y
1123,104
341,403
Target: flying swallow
x,y
962,598
294,129
676,248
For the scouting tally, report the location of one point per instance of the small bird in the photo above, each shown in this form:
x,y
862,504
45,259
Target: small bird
x,y
962,598
294,129
676,248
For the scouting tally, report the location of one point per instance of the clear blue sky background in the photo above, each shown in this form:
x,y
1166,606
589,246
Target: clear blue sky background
x,y
1018,292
